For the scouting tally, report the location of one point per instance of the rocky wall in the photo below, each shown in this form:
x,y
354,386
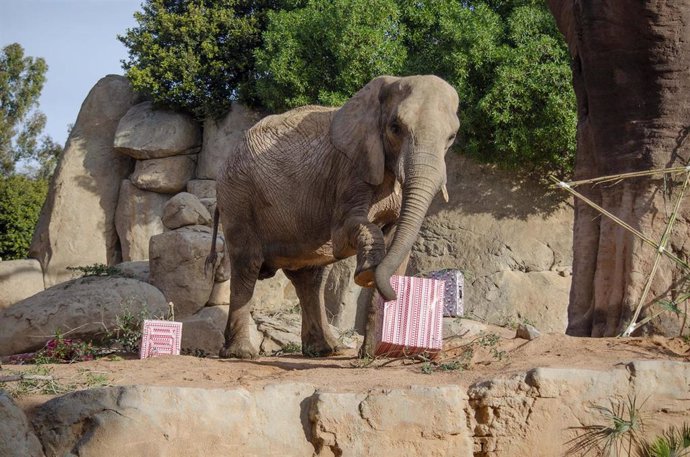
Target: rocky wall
x,y
539,413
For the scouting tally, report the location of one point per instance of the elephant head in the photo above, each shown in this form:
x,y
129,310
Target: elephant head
x,y
404,126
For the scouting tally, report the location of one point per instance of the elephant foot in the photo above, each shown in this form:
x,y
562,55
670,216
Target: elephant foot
x,y
367,349
321,347
240,349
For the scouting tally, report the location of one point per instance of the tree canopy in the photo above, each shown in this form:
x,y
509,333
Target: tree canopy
x,y
326,51
196,55
506,59
21,123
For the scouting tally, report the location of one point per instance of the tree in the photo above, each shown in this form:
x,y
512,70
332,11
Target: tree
x,y
505,58
630,74
326,51
511,69
196,55
21,198
21,124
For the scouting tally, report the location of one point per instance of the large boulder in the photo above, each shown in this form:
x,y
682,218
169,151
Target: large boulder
x,y
137,218
401,422
77,222
510,236
137,269
185,209
202,188
221,137
85,307
168,175
17,437
148,133
177,259
140,421
20,279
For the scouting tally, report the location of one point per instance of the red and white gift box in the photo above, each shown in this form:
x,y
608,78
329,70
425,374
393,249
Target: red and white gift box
x,y
411,324
160,338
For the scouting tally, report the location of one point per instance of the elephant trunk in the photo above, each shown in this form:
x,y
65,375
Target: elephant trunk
x,y
424,178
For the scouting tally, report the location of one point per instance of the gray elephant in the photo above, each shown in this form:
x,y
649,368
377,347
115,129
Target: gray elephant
x,y
315,184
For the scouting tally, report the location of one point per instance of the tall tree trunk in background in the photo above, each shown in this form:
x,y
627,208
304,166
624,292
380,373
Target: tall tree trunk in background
x,y
631,73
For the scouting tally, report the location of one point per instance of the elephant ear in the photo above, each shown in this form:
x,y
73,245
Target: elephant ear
x,y
356,131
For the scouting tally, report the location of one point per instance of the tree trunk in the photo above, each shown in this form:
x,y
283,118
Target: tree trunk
x,y
631,73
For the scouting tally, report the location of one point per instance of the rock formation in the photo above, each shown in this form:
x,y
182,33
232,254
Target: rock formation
x,y
77,223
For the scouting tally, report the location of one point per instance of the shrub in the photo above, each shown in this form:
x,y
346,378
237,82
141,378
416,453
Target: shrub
x,y
21,199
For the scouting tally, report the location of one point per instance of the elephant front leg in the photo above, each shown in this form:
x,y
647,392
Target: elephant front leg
x,y
317,339
355,233
373,310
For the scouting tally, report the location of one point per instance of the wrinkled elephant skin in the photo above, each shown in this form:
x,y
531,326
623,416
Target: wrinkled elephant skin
x,y
316,184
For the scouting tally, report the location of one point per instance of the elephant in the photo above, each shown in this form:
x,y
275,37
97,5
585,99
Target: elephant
x,y
315,184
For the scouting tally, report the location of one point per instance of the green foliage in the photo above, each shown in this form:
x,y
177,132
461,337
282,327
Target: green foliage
x,y
21,124
64,350
620,433
326,51
126,334
291,348
21,199
507,60
511,69
97,269
673,442
195,55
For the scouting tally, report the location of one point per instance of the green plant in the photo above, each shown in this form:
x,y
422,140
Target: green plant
x,y
673,442
291,348
21,123
490,341
36,380
39,379
64,350
427,368
197,55
21,199
92,379
126,333
97,269
618,435
326,51
511,68
309,351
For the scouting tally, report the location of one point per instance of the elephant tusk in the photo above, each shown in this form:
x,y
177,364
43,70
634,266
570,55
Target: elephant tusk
x,y
396,187
444,191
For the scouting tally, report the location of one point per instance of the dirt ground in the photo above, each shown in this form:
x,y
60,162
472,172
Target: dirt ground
x,y
464,362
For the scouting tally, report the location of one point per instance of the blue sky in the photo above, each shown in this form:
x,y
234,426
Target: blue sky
x,y
77,38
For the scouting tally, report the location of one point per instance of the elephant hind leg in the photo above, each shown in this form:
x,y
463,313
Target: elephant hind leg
x,y
245,264
317,339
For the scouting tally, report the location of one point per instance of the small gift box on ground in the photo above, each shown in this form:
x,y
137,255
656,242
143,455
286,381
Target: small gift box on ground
x,y
160,338
455,283
412,323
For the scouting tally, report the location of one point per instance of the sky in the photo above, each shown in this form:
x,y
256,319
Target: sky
x,y
77,39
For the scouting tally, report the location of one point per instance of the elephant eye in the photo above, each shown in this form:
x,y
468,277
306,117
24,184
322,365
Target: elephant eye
x,y
395,128
451,138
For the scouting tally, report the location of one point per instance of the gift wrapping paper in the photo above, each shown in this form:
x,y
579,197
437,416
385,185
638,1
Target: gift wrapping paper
x,y
411,324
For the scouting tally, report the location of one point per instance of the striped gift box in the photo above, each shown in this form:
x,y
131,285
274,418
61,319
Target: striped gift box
x,y
412,323
160,338
455,284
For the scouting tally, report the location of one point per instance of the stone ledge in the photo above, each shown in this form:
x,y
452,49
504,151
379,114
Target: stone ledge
x,y
535,413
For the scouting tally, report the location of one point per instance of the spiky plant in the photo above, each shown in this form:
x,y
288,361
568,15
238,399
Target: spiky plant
x,y
673,442
617,436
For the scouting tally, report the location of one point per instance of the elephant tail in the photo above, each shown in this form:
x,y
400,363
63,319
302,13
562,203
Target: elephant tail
x,y
213,256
